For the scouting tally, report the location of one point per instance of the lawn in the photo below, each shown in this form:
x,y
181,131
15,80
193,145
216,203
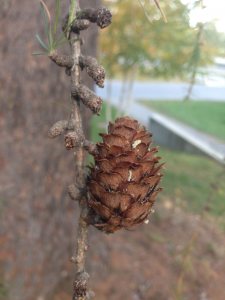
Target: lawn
x,y
188,178
208,117
197,181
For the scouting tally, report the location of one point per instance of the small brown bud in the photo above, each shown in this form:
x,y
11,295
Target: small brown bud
x,y
101,16
104,17
89,98
72,140
93,69
58,128
61,60
80,285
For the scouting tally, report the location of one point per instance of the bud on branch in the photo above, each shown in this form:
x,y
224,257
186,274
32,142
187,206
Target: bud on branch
x,y
89,99
58,128
93,69
61,60
101,16
80,286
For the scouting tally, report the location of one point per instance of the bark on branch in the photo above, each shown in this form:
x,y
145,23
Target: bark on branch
x,y
73,139
81,279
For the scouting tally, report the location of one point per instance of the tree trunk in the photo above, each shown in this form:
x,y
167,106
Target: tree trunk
x,y
36,216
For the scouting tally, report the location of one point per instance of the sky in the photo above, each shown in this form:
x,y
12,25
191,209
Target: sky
x,y
214,11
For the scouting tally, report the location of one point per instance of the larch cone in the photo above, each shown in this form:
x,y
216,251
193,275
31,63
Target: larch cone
x,y
124,181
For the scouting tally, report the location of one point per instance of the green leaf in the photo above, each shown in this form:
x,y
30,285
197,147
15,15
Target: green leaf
x,y
40,41
71,14
57,15
46,15
38,53
50,38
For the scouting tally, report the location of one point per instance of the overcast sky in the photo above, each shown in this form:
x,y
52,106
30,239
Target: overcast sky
x,y
214,11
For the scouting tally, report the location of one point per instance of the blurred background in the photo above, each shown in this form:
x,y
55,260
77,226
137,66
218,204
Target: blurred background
x,y
166,68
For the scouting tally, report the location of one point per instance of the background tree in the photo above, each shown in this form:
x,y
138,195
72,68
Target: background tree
x,y
151,49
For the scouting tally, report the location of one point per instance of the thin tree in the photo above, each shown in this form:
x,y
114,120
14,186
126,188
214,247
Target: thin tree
x,y
196,55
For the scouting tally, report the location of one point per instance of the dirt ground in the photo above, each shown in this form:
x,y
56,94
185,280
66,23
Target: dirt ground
x,y
177,256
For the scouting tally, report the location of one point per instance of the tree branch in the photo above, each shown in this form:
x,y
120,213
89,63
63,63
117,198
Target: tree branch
x,y
81,277
73,23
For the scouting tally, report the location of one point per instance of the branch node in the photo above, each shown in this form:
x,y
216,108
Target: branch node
x,y
73,139
79,25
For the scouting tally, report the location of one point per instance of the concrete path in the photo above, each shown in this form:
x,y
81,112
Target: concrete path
x,y
204,142
166,91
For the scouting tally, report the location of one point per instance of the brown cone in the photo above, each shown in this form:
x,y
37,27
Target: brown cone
x,y
123,184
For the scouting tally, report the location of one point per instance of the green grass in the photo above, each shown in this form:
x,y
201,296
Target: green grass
x,y
208,117
188,178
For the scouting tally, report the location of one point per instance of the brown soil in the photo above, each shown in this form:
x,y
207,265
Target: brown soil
x,y
177,256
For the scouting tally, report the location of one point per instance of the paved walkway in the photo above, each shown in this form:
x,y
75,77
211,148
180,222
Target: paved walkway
x,y
165,91
204,142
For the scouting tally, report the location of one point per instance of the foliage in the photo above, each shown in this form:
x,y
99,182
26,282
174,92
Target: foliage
x,y
53,39
158,48
213,38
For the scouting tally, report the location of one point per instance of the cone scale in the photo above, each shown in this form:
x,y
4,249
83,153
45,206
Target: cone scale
x,y
124,181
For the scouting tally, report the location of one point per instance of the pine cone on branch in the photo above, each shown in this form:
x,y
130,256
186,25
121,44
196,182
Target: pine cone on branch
x,y
124,182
